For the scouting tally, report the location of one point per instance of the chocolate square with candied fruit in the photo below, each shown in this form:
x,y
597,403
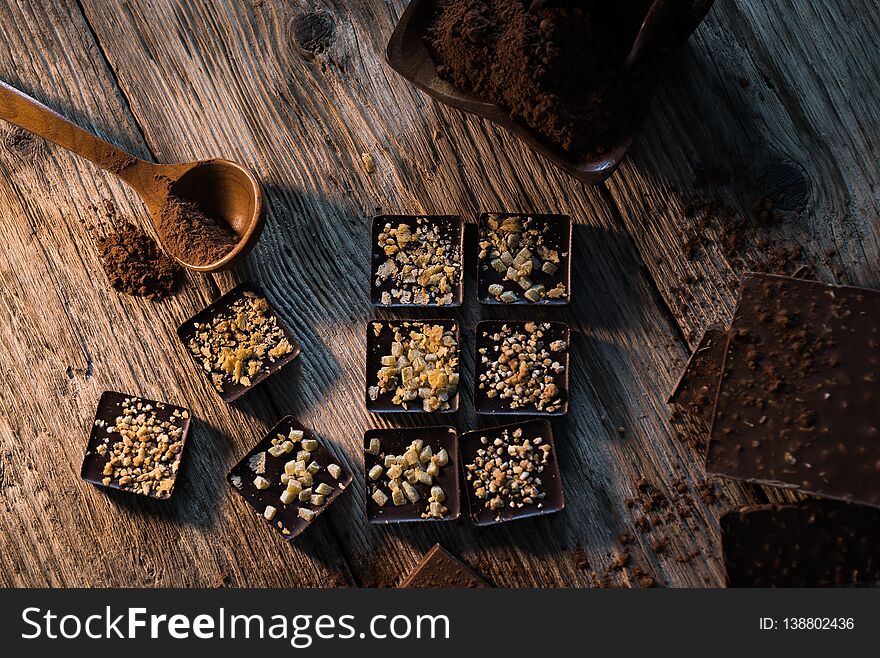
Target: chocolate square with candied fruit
x,y
417,261
411,474
524,259
290,478
413,366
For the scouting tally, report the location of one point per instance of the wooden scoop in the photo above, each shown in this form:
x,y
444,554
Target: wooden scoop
x,y
223,190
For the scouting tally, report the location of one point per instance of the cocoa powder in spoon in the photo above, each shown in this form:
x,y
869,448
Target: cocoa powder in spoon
x,y
192,236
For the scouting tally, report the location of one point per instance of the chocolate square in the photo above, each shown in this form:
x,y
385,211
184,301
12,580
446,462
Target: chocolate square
x,y
395,441
697,387
379,346
439,569
234,390
500,407
468,445
450,226
557,237
110,406
814,543
799,401
242,477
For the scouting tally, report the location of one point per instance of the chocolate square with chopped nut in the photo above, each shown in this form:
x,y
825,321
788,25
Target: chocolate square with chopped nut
x,y
417,261
527,481
290,478
413,366
521,368
238,341
524,259
412,474
136,445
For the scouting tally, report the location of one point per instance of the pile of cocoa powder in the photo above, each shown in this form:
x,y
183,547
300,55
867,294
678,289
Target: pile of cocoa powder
x,y
135,265
191,235
557,69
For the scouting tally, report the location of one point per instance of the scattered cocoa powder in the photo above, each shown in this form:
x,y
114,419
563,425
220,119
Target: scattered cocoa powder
x,y
190,235
557,69
135,265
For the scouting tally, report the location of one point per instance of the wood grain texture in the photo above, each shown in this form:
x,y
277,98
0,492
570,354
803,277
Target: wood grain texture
x,y
299,90
67,338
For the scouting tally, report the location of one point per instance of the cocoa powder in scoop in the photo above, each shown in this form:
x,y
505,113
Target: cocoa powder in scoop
x,y
190,235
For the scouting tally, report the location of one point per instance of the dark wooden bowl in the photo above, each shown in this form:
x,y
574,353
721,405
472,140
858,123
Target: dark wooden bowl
x,y
408,54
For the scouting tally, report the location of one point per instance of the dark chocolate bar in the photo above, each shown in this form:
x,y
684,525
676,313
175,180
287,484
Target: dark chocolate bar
x,y
799,400
814,543
441,570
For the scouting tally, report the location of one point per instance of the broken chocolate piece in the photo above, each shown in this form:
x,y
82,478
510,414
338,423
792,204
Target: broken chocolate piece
x,y
799,400
814,543
696,388
440,570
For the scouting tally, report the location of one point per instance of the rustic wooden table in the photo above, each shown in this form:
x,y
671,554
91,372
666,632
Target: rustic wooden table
x,y
299,90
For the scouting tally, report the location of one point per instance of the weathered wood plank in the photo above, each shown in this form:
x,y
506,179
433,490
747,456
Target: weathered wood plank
x,y
66,338
229,78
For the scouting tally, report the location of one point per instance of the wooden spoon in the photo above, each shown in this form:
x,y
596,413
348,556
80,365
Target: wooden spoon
x,y
224,190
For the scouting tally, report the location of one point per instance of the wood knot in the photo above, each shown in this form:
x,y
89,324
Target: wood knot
x,y
787,185
313,32
21,143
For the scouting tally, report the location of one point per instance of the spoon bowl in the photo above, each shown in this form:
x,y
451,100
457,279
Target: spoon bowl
x,y
223,190
409,55
228,192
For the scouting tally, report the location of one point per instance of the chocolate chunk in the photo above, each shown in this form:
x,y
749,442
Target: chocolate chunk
x,y
814,543
799,401
696,388
440,570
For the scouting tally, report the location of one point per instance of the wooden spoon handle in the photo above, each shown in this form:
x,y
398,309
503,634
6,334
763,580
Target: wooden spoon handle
x,y
28,113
